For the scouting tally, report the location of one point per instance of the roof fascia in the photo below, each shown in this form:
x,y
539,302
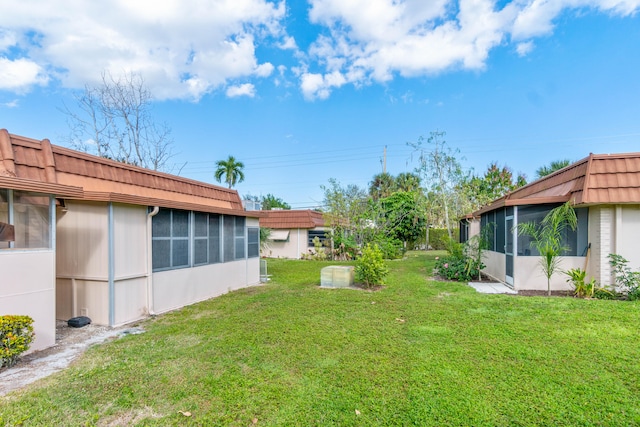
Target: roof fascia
x,y
41,187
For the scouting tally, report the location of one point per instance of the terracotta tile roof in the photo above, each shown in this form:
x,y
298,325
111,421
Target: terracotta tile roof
x,y
45,165
289,219
597,179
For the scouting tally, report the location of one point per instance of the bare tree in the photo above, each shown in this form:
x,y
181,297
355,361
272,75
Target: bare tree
x,y
442,174
114,120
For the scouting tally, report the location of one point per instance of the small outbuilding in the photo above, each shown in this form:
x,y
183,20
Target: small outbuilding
x,y
292,232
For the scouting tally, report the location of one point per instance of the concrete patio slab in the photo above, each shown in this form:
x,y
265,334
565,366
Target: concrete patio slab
x,y
492,288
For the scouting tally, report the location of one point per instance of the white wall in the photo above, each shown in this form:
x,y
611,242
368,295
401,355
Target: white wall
x,y
28,288
628,237
292,249
495,265
613,230
173,289
528,275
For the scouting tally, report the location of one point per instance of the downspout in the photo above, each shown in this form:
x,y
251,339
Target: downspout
x,y
12,219
298,239
112,268
150,215
52,245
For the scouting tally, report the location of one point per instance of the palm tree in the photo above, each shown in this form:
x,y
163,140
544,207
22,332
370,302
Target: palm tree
x,y
547,235
383,185
231,169
552,167
407,181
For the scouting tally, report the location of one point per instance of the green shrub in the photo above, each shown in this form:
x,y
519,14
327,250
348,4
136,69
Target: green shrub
x,y
581,288
370,268
16,334
627,281
455,267
318,253
634,295
604,293
345,247
462,263
438,238
391,248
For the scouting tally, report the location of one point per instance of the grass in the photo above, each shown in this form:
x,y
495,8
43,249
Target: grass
x,y
417,352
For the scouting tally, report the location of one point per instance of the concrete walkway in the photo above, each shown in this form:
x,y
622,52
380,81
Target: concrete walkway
x,y
492,288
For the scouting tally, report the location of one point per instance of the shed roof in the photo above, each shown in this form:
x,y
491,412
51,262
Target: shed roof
x,y
596,179
290,219
76,175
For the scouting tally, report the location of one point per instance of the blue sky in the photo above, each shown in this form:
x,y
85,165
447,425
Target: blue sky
x,y
303,91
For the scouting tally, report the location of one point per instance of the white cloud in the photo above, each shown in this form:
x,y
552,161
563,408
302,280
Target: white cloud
x,y
11,104
188,51
319,86
536,17
264,70
289,43
20,75
246,89
7,39
375,40
524,48
182,51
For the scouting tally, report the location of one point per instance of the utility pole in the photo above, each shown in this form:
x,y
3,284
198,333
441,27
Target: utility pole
x,y
384,160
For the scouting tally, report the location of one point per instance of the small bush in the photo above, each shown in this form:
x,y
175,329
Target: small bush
x,y
439,237
604,293
460,268
391,248
370,267
345,247
318,253
634,295
581,288
16,334
461,264
627,281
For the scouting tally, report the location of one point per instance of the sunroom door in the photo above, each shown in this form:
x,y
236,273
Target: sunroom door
x,y
508,249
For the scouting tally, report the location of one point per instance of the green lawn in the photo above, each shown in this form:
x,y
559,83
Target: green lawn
x,y
417,352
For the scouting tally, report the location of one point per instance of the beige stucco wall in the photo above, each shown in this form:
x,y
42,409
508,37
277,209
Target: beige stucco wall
x,y
82,241
528,273
28,288
82,297
131,254
173,289
83,273
495,265
83,262
292,249
474,227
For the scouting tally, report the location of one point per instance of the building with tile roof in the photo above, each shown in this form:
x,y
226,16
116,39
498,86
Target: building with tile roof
x,y
292,232
90,236
605,191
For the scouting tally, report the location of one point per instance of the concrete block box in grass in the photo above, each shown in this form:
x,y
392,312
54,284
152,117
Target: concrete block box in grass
x,y
337,276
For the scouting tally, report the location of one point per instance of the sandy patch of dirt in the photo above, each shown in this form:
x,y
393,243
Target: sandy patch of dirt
x,y
70,343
